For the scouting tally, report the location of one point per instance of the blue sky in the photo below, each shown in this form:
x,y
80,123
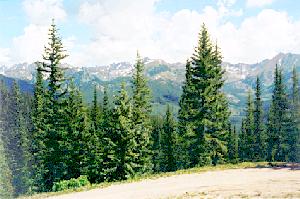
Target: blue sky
x,y
98,32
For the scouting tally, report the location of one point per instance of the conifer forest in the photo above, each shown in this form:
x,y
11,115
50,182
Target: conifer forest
x,y
53,135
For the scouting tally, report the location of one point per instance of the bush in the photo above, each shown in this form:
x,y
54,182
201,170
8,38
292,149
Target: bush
x,y
71,184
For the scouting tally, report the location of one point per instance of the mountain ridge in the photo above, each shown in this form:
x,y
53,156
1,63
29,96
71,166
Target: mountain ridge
x,y
165,79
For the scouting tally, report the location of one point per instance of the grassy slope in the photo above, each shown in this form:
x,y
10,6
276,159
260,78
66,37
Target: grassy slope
x,y
153,176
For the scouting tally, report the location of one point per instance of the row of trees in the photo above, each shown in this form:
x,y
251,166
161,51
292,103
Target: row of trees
x,y
54,136
272,135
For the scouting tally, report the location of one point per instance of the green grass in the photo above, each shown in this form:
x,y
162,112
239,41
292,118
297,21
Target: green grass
x,y
153,176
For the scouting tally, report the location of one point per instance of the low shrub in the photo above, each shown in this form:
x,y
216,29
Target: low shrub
x,y
71,184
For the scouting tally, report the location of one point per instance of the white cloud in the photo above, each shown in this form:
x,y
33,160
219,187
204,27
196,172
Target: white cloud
x,y
120,28
258,3
41,12
259,37
29,46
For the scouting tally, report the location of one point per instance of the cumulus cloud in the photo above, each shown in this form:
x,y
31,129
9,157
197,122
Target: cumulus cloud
x,y
260,37
258,3
29,46
40,12
119,28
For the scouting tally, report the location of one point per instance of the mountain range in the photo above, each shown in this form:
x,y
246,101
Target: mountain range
x,y
165,79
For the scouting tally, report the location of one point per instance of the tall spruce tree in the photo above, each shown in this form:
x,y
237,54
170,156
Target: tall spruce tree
x,y
123,138
169,142
76,144
157,128
278,121
38,147
294,137
141,117
184,115
55,124
247,135
108,139
209,113
95,147
259,129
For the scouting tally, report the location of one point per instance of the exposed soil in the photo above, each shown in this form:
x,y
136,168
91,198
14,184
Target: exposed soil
x,y
276,182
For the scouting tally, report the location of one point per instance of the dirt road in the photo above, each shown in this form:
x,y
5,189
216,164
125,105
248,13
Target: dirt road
x,y
236,183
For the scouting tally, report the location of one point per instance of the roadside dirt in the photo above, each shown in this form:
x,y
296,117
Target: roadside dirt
x,y
236,183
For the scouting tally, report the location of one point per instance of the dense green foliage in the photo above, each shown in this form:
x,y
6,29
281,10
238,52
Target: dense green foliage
x,y
140,117
53,141
204,114
168,143
71,184
279,139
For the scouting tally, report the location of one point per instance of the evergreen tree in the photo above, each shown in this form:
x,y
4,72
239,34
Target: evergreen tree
x,y
76,133
169,142
209,114
278,122
107,140
184,116
247,135
38,132
294,137
95,149
157,125
259,131
123,137
141,117
55,124
95,112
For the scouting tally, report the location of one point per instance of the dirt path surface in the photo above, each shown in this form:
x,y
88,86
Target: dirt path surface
x,y
235,183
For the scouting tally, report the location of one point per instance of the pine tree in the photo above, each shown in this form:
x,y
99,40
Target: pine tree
x,y
218,128
76,133
259,131
169,142
95,150
123,137
157,123
248,139
184,115
141,117
209,114
95,112
38,132
107,139
278,121
294,137
55,124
